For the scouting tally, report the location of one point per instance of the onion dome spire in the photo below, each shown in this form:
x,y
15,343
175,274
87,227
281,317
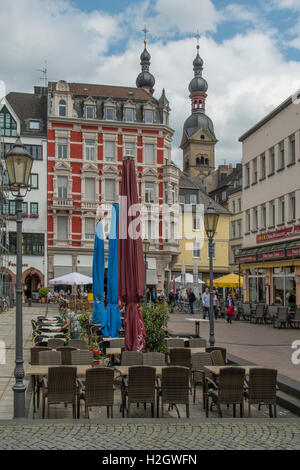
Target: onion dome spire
x,y
198,85
145,79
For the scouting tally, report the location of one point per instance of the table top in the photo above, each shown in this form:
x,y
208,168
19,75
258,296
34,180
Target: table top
x,y
193,350
43,370
215,370
196,319
113,351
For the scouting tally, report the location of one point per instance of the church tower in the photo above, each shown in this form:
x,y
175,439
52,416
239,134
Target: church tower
x,y
198,139
145,79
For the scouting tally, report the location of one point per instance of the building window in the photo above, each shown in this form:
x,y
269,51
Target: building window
x,y
248,221
233,207
89,228
90,150
172,193
62,187
181,199
293,207
62,108
264,217
129,115
109,114
166,155
32,244
281,155
36,151
255,171
284,286
90,189
110,190
62,148
193,198
34,125
24,208
272,214
240,204
149,192
263,166
149,117
239,224
257,285
213,250
292,149
5,208
256,218
272,161
196,250
12,207
224,196
34,208
197,223
34,181
62,228
282,211
149,154
90,112
247,175
129,149
233,234
166,194
109,148
8,125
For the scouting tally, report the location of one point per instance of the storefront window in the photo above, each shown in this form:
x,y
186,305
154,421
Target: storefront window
x,y
284,286
257,292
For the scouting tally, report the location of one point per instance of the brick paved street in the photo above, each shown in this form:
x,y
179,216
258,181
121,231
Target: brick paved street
x,y
167,435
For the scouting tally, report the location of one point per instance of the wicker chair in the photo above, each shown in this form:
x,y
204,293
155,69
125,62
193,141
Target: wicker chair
x,y
98,390
223,352
116,343
154,359
131,358
282,317
259,315
40,340
139,387
217,358
246,312
66,358
78,344
262,389
56,343
34,354
82,357
229,391
175,343
180,357
47,358
198,361
197,343
61,387
296,319
174,388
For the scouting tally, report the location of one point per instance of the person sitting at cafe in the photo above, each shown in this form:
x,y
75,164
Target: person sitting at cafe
x,y
71,322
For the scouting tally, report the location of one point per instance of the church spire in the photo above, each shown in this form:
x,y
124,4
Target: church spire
x,y
198,86
145,79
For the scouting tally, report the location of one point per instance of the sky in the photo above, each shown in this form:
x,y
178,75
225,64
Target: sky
x,y
250,48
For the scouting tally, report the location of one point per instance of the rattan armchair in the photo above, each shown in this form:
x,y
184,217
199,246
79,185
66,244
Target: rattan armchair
x,y
98,390
174,388
175,342
197,343
56,343
81,357
139,387
154,359
295,321
259,315
229,391
220,358
131,358
116,342
262,389
199,360
282,317
47,358
61,387
180,357
66,358
78,344
34,354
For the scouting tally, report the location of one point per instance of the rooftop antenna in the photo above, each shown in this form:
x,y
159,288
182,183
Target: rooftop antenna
x,y
44,71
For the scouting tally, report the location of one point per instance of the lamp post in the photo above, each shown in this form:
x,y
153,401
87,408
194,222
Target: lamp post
x,y
18,164
146,245
211,218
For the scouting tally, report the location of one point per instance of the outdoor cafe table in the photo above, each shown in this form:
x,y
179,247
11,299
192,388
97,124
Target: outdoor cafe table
x,y
193,350
36,370
197,322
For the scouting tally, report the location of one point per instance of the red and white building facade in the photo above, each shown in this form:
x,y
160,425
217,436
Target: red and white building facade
x,y
91,128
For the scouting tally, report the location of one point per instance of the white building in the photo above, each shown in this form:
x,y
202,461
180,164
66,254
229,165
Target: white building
x,y
25,115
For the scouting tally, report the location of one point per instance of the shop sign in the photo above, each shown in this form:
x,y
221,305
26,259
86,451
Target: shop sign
x,y
246,259
277,234
272,255
293,252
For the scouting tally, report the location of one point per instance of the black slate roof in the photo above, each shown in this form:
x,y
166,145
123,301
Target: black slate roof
x,y
29,106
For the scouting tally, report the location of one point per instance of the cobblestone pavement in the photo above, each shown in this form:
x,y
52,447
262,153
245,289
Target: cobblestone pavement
x,y
153,435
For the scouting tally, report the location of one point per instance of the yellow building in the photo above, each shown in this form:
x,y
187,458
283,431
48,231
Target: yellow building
x,y
194,242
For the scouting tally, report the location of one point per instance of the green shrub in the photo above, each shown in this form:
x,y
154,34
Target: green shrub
x,y
43,291
156,320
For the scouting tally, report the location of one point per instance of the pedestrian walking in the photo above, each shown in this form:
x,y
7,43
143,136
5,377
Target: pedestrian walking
x,y
191,299
215,305
205,302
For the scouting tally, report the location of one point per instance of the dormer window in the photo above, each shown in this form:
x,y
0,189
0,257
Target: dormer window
x,y
90,112
149,117
129,115
34,125
109,114
62,108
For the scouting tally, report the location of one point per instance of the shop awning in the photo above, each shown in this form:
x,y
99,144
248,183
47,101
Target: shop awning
x,y
230,280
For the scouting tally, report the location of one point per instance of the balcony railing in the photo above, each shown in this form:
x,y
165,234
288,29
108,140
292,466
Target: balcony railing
x,y
62,202
87,205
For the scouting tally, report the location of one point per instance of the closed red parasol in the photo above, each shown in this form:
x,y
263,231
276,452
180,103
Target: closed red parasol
x,y
131,260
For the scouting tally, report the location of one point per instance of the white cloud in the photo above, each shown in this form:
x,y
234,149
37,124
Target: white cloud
x,y
284,4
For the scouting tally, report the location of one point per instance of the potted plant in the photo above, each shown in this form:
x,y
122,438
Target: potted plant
x,y
96,357
156,321
43,292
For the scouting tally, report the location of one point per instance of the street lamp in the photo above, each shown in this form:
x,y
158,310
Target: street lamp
x,y
18,164
211,218
146,245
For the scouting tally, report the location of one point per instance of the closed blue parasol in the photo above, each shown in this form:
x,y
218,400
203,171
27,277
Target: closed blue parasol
x,y
99,315
112,312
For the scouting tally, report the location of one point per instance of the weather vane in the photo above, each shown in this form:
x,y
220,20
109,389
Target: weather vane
x,y
198,38
145,31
